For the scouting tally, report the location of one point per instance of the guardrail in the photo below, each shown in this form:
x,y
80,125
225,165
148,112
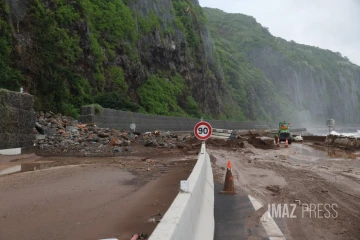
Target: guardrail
x,y
222,133
292,130
191,215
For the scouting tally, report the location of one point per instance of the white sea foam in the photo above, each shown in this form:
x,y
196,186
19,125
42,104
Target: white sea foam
x,y
353,134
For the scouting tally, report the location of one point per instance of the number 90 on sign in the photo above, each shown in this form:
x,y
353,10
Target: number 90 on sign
x,y
203,130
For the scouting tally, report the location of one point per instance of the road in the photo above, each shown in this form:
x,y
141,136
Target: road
x,y
284,176
92,198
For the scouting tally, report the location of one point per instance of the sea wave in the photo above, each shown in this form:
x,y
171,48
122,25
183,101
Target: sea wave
x,y
353,134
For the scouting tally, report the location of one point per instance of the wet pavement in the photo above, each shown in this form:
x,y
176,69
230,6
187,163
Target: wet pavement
x,y
88,201
281,176
231,212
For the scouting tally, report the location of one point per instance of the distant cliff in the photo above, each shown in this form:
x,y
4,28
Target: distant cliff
x,y
314,80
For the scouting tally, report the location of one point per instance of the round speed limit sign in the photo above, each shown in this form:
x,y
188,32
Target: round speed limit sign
x,y
203,130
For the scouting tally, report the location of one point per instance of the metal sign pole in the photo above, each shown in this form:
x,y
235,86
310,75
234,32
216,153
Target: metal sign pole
x,y
203,142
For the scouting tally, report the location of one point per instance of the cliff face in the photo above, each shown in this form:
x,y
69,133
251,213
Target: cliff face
x,y
168,57
181,43
152,56
308,83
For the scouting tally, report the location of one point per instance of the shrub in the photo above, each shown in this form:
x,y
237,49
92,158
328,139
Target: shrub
x,y
159,95
116,100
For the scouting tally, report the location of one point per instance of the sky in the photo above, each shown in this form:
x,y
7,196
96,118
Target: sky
x,y
328,24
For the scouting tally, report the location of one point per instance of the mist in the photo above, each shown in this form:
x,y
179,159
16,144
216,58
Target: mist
x,y
327,24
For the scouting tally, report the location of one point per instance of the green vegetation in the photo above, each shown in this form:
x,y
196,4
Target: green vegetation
x,y
74,53
146,25
248,86
97,108
111,23
117,100
64,82
74,49
10,78
192,107
240,40
161,95
187,20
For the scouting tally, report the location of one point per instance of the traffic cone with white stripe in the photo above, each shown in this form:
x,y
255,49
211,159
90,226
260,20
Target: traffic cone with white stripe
x,y
286,143
229,187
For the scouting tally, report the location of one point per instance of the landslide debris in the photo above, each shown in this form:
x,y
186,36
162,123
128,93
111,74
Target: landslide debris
x,y
62,134
65,134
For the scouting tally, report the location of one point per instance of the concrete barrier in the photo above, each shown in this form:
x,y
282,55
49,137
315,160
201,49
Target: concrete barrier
x,y
191,215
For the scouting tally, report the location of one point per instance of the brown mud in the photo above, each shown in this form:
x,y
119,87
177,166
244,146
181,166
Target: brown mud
x,y
298,173
92,198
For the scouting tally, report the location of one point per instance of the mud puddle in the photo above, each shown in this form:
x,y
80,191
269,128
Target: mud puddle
x,y
10,170
26,167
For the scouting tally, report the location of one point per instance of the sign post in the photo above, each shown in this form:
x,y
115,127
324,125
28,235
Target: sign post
x,y
203,130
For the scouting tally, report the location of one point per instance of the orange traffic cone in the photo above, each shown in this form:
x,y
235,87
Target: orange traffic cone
x,y
278,142
229,187
135,237
286,143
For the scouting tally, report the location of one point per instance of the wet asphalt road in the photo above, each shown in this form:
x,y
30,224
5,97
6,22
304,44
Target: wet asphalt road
x,y
231,212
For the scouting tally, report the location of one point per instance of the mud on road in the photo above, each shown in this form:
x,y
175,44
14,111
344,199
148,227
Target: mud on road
x,y
298,173
92,198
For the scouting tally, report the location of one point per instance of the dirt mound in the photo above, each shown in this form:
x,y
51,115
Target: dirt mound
x,y
261,142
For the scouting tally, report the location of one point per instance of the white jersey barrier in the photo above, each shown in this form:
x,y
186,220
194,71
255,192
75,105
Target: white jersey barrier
x,y
191,215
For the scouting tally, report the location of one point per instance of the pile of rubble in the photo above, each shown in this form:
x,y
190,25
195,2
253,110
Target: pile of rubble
x,y
57,132
160,139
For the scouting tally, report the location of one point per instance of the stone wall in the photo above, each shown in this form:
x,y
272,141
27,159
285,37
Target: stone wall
x,y
17,119
116,119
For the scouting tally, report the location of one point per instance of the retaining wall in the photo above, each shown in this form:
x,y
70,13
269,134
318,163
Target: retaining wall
x,y
191,215
116,119
17,119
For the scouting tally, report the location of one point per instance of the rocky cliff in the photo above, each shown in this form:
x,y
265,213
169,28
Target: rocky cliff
x,y
152,56
167,57
312,80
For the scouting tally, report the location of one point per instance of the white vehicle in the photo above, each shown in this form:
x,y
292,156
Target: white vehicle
x,y
298,138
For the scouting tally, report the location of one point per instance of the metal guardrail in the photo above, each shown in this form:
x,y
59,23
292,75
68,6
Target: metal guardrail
x,y
223,133
292,130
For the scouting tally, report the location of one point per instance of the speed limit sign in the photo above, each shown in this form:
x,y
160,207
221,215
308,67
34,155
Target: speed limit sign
x,y
203,130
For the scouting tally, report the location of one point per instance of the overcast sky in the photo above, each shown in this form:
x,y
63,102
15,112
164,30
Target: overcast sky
x,y
329,24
